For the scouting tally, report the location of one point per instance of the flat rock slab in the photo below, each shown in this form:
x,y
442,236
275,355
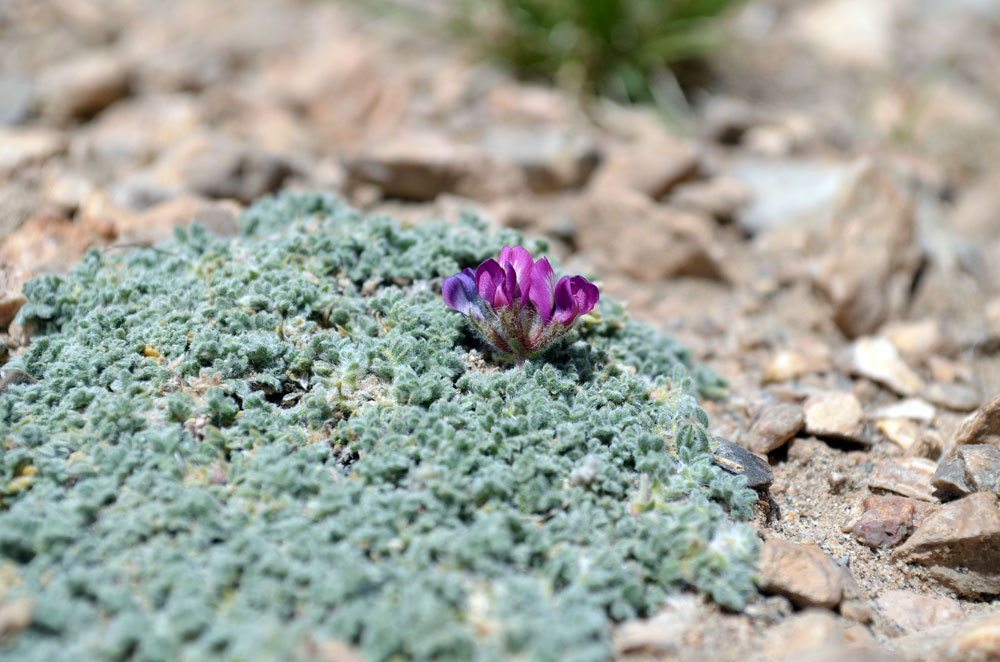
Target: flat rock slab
x,y
774,427
968,469
802,573
877,359
960,544
735,459
906,612
983,427
909,476
836,415
974,638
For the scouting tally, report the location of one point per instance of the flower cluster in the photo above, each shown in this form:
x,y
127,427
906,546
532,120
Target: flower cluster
x,y
516,304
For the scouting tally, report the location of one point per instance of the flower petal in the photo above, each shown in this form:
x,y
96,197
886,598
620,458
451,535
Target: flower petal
x,y
489,281
541,288
459,292
564,304
520,258
585,293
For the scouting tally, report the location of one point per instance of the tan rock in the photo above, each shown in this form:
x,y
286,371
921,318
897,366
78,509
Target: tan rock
x,y
870,252
802,633
550,159
663,633
774,427
22,147
653,168
834,414
913,409
909,476
49,244
918,338
975,638
158,222
900,431
83,85
981,428
877,359
11,297
952,395
720,197
979,642
960,544
657,243
802,573
906,612
785,366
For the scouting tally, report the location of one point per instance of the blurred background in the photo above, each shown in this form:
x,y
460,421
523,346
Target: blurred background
x,y
746,173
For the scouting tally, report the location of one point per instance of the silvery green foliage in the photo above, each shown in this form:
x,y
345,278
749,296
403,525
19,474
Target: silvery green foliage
x,y
240,449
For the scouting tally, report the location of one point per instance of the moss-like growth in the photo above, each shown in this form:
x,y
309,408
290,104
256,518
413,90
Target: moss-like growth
x,y
239,449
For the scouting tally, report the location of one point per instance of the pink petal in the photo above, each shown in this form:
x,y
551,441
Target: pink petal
x,y
585,294
542,286
489,281
564,304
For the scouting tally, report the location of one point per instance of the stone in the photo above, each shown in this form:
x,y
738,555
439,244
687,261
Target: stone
x,y
857,610
663,633
657,243
802,633
774,427
906,612
900,431
22,147
835,414
870,255
919,338
51,244
980,641
737,460
551,159
653,168
412,167
909,476
134,132
877,359
67,190
15,378
968,469
158,222
15,616
952,395
719,197
913,409
219,167
886,521
960,545
785,366
802,573
981,428
976,638
82,86
11,297
786,191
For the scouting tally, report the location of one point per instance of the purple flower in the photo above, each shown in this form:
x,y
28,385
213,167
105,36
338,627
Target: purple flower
x,y
517,304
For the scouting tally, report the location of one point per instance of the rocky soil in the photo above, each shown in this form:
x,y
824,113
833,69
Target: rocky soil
x,y
824,230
